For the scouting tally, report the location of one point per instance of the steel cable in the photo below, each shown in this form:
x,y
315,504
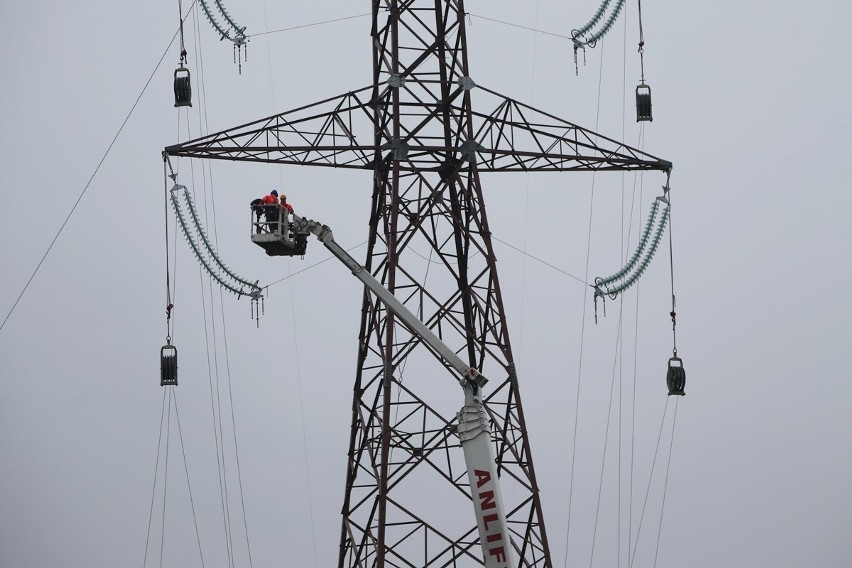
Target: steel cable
x,y
188,486
666,484
582,328
616,358
156,475
165,479
648,489
92,177
217,440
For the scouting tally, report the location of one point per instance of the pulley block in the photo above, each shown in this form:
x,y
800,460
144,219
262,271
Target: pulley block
x,y
676,377
168,365
643,103
183,88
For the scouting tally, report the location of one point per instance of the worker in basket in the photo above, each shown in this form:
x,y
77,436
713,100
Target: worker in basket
x,y
286,208
270,207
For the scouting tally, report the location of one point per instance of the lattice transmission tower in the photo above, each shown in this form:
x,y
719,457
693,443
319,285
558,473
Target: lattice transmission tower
x,y
407,500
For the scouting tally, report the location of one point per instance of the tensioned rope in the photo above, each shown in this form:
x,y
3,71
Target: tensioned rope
x,y
308,477
641,146
648,488
169,397
169,304
217,428
618,352
674,299
578,36
292,274
621,305
234,431
212,366
606,442
632,558
217,403
228,360
94,173
582,332
293,328
632,544
186,471
154,485
538,31
544,262
526,225
301,26
666,485
229,384
674,420
115,139
165,481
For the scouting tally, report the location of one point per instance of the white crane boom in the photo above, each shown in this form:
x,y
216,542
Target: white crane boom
x,y
473,423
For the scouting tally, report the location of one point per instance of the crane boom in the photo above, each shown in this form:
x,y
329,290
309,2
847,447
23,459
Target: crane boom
x,y
473,423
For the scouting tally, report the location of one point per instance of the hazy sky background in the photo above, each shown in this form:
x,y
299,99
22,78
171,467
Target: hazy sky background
x,y
751,104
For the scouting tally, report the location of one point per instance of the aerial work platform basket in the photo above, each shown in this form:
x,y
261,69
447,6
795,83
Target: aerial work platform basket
x,y
272,231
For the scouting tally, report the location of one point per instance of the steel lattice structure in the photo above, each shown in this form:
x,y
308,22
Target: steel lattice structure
x,y
416,129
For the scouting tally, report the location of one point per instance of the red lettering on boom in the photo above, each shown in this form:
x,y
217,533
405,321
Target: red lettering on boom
x,y
482,477
488,518
486,500
491,522
499,552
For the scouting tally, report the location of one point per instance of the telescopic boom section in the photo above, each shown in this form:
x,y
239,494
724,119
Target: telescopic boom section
x,y
473,423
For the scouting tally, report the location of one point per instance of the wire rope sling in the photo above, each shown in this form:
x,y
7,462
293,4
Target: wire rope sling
x,y
182,85
168,353
643,90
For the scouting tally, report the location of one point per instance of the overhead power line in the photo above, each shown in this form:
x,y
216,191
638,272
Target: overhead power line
x,y
569,38
94,173
308,25
544,262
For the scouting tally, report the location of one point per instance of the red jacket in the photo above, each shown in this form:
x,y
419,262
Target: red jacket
x,y
269,199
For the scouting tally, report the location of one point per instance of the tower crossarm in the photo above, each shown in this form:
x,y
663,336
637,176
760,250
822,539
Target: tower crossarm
x,y
518,137
337,133
319,134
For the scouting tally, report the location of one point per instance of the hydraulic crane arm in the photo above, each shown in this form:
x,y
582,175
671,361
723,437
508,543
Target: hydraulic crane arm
x,y
473,423
325,236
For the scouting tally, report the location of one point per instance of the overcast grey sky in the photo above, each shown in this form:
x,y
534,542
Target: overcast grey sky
x,y
751,104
